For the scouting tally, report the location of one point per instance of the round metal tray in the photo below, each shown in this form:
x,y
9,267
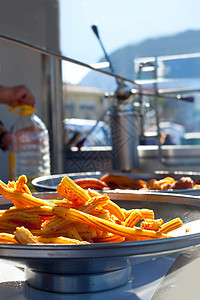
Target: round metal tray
x,y
50,182
97,267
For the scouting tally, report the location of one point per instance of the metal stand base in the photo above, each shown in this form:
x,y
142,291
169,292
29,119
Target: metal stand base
x,y
72,284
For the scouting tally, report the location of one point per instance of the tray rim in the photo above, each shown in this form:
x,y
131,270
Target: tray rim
x,y
47,250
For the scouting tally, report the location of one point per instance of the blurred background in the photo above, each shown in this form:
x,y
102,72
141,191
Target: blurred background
x,y
78,84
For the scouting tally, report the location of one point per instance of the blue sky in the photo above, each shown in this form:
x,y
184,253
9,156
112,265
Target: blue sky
x,y
120,22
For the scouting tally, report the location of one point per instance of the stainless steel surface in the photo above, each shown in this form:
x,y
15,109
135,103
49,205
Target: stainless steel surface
x,y
50,183
53,110
161,157
124,123
125,137
161,278
146,277
57,116
172,151
69,260
100,159
180,157
81,283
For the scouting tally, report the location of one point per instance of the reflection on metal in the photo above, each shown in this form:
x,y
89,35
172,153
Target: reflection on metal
x,y
56,116
53,110
101,65
125,137
78,283
156,94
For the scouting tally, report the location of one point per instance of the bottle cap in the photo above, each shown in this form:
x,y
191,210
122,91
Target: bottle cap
x,y
22,110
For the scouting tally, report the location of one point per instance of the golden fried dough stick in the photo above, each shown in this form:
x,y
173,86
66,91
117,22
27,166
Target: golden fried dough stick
x,y
111,206
100,233
146,213
139,238
21,218
72,191
171,225
182,183
121,181
21,185
154,184
71,232
53,225
8,226
36,232
94,183
24,236
10,185
152,224
2,211
60,240
93,193
162,184
75,215
7,238
115,210
64,202
133,218
86,232
112,238
93,202
103,214
21,199
36,210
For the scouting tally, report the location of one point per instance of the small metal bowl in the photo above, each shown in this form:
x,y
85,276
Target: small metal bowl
x,y
49,183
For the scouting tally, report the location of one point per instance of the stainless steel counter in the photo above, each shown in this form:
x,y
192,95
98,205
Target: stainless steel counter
x,y
174,158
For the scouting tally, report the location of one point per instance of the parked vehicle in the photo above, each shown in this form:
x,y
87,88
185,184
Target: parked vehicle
x,y
88,135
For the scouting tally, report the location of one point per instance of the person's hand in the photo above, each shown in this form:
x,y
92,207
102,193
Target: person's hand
x,y
17,95
5,140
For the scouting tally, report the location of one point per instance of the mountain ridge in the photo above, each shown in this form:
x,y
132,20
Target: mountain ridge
x,y
186,42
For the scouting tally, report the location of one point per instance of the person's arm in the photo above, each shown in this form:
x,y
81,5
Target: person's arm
x,y
4,137
17,95
13,96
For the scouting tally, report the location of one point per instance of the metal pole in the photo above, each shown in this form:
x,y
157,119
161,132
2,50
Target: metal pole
x,y
53,111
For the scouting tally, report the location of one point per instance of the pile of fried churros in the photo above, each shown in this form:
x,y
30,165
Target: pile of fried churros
x,y
80,217
114,181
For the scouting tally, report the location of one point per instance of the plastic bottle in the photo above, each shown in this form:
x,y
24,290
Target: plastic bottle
x,y
29,150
